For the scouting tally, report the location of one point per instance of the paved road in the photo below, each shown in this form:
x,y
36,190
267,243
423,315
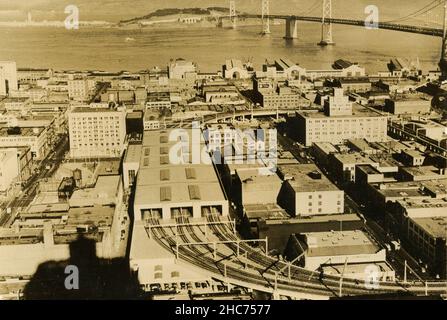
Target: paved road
x,y
54,159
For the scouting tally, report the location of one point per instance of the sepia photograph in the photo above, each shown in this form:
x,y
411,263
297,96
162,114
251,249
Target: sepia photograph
x,y
257,153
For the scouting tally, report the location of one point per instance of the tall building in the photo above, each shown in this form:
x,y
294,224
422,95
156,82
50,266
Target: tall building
x,y
96,132
8,77
340,121
78,89
338,104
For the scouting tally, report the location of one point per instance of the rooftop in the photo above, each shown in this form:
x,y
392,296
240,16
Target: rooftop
x,y
358,111
353,158
133,153
434,226
339,243
103,193
265,211
306,178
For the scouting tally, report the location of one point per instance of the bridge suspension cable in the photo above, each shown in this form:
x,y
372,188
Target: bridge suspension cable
x,y
312,8
427,8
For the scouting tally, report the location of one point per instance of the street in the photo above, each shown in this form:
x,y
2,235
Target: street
x,y
29,191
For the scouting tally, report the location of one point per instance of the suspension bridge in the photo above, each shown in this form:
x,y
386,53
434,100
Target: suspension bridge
x,y
326,19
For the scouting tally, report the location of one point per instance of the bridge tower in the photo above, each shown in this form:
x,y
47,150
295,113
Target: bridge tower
x,y
265,17
443,61
233,14
326,25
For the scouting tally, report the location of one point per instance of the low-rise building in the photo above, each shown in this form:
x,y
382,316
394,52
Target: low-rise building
x,y
416,105
307,192
167,188
344,165
322,250
235,69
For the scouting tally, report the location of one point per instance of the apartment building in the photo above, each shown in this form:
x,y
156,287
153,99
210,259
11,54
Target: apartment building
x,y
97,133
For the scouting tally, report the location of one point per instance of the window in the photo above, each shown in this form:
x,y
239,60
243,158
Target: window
x,y
164,175
194,192
165,194
190,173
158,268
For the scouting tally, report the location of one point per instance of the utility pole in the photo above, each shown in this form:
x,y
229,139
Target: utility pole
x,y
340,294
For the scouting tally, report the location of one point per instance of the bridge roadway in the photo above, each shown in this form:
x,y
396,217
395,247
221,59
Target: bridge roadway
x,y
254,269
361,23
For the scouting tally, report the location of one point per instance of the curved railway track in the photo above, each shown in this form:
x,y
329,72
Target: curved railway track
x,y
267,270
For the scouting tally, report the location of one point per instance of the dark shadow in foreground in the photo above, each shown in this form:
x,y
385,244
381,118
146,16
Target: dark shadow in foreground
x,y
83,276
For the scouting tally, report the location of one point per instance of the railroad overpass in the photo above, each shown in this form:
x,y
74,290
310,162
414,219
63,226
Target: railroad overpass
x,y
220,253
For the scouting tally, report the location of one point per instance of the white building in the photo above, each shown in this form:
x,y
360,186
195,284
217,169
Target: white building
x,y
181,69
313,127
78,89
338,104
36,138
9,168
352,251
165,189
235,69
96,132
307,192
8,77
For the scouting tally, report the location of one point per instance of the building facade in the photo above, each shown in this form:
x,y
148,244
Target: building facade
x,y
97,133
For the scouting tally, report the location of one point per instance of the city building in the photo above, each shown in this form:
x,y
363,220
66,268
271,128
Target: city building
x,y
131,164
78,89
412,158
9,169
180,69
343,165
282,68
32,75
221,94
37,138
307,192
335,251
356,85
337,104
151,120
256,186
312,127
158,100
423,223
413,105
96,133
235,69
166,189
282,98
45,230
8,77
